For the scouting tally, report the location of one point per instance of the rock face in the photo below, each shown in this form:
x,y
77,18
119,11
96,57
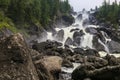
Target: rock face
x,y
79,17
77,37
67,19
91,30
60,35
114,47
15,59
96,68
68,41
96,43
49,67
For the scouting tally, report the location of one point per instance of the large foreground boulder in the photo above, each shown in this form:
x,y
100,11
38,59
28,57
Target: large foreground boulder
x,y
49,67
15,59
104,73
96,68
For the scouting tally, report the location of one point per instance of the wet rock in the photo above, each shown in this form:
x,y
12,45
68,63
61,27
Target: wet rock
x,y
50,67
97,62
77,58
113,34
74,13
104,73
111,60
77,41
73,30
92,52
79,17
69,41
67,20
79,51
15,59
91,30
96,43
114,47
60,35
85,22
44,46
67,63
77,37
75,25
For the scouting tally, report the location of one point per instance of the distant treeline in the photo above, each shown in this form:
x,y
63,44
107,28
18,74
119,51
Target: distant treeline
x,y
109,13
26,12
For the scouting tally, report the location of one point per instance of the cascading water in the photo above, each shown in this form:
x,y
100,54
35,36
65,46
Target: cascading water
x,y
77,33
77,36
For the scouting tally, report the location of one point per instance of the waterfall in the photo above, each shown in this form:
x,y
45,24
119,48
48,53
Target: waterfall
x,y
77,34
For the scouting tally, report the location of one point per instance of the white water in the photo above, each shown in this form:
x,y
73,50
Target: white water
x,y
86,41
68,71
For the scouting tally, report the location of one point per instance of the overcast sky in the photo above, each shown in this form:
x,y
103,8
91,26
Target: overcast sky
x,y
78,5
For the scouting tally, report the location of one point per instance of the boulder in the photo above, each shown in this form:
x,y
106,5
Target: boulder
x,y
79,51
91,30
67,20
44,46
15,59
77,58
97,62
76,29
113,34
77,37
114,47
104,73
49,67
85,22
79,17
96,43
60,35
67,63
92,52
112,60
69,41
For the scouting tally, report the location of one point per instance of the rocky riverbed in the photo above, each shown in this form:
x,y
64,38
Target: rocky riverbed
x,y
79,52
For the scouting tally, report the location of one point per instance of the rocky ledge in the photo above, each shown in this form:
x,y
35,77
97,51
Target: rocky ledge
x,y
18,61
45,60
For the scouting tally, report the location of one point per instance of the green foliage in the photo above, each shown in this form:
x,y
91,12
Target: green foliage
x,y
109,13
5,22
24,13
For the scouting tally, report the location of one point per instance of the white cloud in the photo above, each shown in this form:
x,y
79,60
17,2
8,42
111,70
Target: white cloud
x,y
78,5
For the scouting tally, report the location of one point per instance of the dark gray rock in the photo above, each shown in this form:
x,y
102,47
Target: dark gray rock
x,y
77,37
97,62
67,20
112,60
96,43
89,71
79,17
67,63
91,30
85,22
79,51
60,35
69,41
91,52
44,46
15,59
114,47
73,30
